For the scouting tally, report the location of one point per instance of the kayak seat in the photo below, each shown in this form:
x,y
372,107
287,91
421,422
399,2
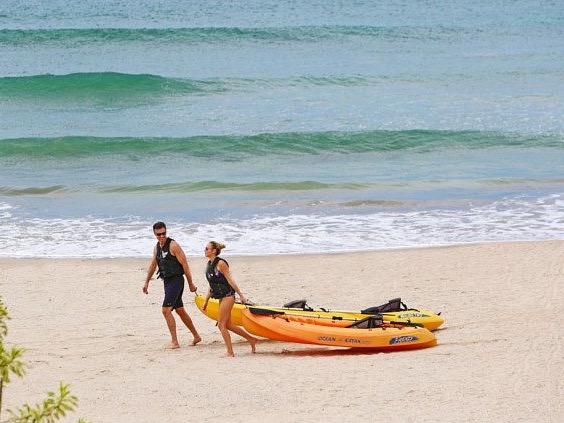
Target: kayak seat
x,y
393,305
298,304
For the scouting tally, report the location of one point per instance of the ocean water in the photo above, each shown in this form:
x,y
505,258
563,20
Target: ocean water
x,y
279,127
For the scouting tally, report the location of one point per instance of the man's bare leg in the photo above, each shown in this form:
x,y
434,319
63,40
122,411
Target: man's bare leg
x,y
171,323
189,324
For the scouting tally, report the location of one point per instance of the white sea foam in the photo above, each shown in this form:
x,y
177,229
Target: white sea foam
x,y
508,220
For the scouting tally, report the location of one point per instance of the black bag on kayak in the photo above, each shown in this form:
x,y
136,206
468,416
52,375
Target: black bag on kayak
x,y
392,305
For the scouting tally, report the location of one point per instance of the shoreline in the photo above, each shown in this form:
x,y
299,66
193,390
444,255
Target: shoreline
x,y
265,256
86,322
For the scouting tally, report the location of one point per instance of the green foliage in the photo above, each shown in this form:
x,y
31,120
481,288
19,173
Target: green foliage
x,y
3,318
10,363
54,407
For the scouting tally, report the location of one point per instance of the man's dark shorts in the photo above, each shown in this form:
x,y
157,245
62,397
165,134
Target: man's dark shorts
x,y
174,287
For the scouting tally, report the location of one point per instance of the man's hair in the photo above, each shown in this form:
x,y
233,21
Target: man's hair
x,y
159,225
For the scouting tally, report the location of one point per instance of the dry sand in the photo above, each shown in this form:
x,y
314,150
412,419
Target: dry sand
x,y
500,355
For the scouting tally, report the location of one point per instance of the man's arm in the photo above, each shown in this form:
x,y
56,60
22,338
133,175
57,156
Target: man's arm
x,y
178,252
150,271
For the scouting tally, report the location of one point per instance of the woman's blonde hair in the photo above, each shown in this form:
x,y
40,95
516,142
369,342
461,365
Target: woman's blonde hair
x,y
217,246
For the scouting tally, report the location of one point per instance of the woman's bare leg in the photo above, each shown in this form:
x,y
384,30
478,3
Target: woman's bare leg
x,y
224,319
242,332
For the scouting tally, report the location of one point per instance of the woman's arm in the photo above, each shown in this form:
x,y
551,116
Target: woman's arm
x,y
223,268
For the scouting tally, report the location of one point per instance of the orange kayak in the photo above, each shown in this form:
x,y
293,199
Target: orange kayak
x,y
309,330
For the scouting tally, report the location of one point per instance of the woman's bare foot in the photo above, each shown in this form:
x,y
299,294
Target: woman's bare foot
x,y
172,346
196,340
227,355
253,342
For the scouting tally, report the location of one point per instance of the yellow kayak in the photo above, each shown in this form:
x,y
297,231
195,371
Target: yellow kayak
x,y
428,319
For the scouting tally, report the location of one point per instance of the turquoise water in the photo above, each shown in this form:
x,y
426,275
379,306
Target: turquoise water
x,y
332,126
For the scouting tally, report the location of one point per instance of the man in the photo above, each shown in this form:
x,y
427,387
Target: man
x,y
169,257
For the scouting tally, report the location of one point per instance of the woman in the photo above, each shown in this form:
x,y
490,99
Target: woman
x,y
223,287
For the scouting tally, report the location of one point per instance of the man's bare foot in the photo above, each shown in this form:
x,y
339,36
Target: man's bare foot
x,y
172,346
196,340
253,342
227,355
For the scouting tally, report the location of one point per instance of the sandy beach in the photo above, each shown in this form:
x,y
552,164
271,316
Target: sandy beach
x,y
500,354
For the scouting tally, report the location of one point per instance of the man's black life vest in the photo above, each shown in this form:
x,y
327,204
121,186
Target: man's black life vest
x,y
169,265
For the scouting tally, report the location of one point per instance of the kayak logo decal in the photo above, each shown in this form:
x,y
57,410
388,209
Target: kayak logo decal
x,y
407,316
402,339
347,340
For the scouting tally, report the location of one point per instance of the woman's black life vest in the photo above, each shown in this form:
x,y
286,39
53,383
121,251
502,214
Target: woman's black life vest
x,y
169,265
218,282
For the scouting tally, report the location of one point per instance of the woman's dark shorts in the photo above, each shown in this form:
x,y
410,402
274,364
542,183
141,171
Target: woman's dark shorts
x,y
173,288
